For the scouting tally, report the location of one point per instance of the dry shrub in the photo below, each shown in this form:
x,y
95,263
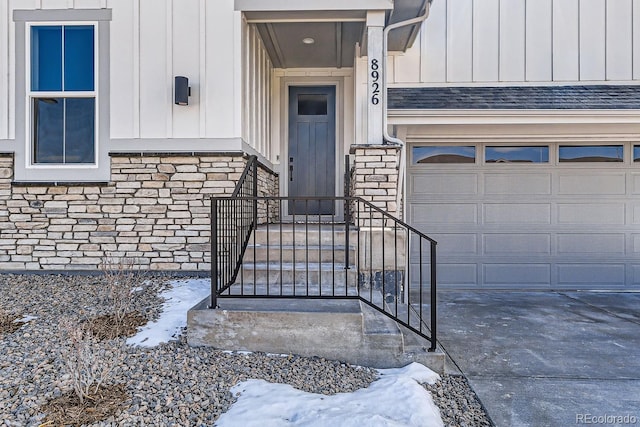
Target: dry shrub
x,y
67,410
88,363
8,324
123,279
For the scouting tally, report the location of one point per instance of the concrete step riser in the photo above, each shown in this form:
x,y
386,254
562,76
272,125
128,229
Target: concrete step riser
x,y
300,254
302,277
302,237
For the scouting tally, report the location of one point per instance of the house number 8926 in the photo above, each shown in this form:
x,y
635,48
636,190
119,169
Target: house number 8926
x,y
375,85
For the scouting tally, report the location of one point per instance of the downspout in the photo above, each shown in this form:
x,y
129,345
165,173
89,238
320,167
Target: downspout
x,y
385,132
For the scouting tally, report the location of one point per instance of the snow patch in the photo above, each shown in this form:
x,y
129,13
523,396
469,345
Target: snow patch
x,y
395,399
25,319
182,295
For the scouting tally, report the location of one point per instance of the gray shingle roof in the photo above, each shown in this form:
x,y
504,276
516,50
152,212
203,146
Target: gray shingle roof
x,y
598,97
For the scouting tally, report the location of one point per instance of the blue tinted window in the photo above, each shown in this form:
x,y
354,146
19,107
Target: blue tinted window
x,y
79,130
46,58
48,119
636,153
591,153
64,130
78,58
444,154
517,154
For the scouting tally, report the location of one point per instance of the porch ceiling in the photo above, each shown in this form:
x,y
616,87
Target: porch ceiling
x,y
335,26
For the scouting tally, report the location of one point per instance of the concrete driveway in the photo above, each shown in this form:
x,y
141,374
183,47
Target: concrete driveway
x,y
547,358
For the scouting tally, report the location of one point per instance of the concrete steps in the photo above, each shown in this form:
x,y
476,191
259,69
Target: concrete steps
x,y
278,263
345,330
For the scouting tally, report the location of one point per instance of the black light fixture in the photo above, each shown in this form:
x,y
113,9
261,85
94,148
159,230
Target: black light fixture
x,y
182,90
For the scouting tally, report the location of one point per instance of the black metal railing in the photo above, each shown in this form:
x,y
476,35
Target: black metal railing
x,y
233,221
325,247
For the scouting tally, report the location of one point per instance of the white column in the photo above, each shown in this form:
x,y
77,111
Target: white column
x,y
375,27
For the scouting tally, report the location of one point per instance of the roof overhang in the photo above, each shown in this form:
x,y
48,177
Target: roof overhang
x,y
513,117
335,25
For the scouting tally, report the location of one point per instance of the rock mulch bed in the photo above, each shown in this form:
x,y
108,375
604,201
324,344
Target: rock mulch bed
x,y
172,384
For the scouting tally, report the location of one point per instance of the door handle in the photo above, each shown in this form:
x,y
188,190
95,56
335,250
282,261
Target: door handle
x,y
290,169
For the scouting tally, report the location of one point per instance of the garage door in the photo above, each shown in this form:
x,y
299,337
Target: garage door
x,y
548,216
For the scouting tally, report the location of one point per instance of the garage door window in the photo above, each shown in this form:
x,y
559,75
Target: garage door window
x,y
591,153
535,154
636,153
443,154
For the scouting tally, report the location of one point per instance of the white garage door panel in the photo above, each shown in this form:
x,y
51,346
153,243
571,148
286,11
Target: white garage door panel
x,y
453,213
635,183
635,274
591,213
517,213
591,275
517,244
592,184
635,213
458,274
424,185
604,244
530,226
635,239
451,244
534,275
516,184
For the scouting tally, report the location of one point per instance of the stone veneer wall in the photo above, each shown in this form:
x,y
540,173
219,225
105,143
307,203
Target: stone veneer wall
x,y
155,209
375,176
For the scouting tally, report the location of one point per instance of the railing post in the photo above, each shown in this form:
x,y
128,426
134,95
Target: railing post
x,y
434,325
347,209
214,253
255,192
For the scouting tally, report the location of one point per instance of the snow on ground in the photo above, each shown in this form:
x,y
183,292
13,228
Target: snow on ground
x,y
396,399
182,295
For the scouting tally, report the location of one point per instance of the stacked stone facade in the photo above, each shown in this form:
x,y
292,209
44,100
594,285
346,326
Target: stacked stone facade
x,y
155,209
375,176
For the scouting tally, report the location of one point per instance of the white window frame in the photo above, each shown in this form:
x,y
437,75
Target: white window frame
x,y
30,95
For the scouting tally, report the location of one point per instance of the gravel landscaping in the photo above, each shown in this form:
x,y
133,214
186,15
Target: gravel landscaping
x,y
171,384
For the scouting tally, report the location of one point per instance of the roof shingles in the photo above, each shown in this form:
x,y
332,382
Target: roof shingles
x,y
597,97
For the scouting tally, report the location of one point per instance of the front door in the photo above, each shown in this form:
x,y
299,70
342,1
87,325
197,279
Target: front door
x,y
312,148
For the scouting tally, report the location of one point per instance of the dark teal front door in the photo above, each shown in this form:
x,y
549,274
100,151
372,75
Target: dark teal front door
x,y
312,148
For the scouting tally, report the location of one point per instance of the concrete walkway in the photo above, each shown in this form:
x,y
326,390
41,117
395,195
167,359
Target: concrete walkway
x,y
547,358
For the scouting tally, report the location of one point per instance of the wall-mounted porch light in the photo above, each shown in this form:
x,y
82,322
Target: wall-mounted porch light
x,y
182,90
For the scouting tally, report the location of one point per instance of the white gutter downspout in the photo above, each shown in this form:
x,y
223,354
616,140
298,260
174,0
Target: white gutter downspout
x,y
385,133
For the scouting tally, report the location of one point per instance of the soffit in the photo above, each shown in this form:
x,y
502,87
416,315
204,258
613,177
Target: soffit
x,y
335,25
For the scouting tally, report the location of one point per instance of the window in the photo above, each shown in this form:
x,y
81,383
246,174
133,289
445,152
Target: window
x,y
517,154
636,153
62,94
591,153
443,154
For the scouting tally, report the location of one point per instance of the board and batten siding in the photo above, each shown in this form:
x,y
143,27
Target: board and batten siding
x,y
257,77
152,41
519,41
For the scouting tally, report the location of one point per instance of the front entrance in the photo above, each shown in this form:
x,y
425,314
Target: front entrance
x,y
312,148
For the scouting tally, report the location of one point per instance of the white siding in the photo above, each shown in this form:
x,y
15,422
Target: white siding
x,y
4,70
459,40
486,40
518,41
592,39
566,40
619,40
636,38
538,40
152,41
257,91
434,44
512,40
